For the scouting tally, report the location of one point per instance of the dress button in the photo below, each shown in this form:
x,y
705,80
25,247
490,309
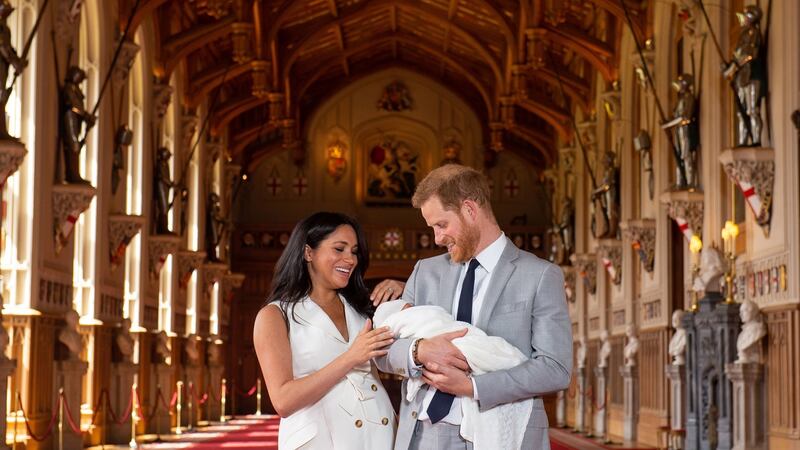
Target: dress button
x,y
358,423
414,414
374,388
385,421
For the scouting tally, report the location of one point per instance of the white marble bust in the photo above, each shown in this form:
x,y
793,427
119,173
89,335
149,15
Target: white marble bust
x,y
192,350
632,347
124,340
677,345
712,268
581,353
69,335
162,349
753,330
605,350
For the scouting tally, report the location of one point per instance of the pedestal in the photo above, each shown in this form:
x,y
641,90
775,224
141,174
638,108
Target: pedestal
x,y
191,394
630,379
6,367
12,153
69,375
748,405
214,388
119,395
161,379
677,381
580,414
600,413
561,409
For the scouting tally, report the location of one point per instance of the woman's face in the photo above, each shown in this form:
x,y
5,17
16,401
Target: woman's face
x,y
333,261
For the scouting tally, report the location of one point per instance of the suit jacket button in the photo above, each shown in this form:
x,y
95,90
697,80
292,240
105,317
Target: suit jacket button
x,y
401,371
374,388
414,414
358,423
385,421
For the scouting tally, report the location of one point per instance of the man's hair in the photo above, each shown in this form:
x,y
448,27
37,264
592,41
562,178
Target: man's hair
x,y
452,184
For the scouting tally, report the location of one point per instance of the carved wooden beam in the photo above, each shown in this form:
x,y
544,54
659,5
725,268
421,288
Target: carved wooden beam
x,y
146,8
558,118
182,44
594,51
205,83
541,143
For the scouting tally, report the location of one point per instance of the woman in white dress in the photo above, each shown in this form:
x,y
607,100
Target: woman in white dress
x,y
315,343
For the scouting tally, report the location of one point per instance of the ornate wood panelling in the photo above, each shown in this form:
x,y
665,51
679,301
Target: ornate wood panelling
x,y
615,361
783,373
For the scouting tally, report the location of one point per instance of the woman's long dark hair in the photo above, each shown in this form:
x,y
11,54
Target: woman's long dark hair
x,y
291,282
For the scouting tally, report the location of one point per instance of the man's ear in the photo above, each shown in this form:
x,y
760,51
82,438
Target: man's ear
x,y
470,209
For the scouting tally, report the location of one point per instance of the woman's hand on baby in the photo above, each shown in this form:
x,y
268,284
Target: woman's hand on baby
x,y
387,290
369,344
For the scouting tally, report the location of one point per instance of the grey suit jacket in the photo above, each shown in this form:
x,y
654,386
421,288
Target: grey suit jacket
x,y
525,304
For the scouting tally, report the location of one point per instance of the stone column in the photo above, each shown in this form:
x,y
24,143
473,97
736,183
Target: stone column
x,y
630,377
600,413
122,378
160,379
69,375
7,366
561,409
748,405
677,413
580,413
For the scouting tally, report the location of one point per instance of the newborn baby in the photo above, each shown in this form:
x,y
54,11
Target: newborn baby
x,y
483,353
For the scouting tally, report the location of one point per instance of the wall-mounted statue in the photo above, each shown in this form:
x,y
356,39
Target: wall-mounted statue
x,y
162,189
748,74
631,347
753,330
605,350
8,59
215,226
687,132
605,200
677,345
122,139
184,196
580,355
73,118
566,226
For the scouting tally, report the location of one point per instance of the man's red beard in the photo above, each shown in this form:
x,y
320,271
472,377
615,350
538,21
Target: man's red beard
x,y
465,243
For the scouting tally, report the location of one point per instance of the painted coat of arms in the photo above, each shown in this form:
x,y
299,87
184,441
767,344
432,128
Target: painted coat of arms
x,y
395,97
391,173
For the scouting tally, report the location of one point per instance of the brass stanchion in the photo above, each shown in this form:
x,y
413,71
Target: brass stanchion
x,y
61,418
222,392
190,394
258,396
178,408
16,419
134,417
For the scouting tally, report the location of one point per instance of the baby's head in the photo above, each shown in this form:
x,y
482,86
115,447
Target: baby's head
x,y
386,309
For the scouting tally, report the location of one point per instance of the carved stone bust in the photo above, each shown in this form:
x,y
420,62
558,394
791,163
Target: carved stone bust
x,y
712,268
632,347
605,350
124,340
753,330
677,345
192,350
162,350
214,351
69,335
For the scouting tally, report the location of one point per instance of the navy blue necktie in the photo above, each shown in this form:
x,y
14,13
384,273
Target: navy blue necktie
x,y
442,401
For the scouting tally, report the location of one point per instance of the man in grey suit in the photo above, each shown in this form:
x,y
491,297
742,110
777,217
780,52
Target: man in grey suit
x,y
486,280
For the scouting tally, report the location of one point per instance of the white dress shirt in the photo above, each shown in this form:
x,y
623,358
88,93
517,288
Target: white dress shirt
x,y
487,260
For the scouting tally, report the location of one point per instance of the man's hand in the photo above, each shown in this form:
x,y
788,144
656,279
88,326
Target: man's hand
x,y
439,350
448,379
387,290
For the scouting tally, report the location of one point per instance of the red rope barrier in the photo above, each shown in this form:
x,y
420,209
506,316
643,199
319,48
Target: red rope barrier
x,y
50,426
248,393
116,419
200,400
75,428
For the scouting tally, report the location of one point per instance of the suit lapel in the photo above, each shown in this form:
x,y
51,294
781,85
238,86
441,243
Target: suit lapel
x,y
502,272
447,286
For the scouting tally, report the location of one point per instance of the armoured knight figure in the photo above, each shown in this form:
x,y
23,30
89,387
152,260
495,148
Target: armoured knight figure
x,y
747,73
566,226
215,226
608,194
687,135
8,58
73,117
163,186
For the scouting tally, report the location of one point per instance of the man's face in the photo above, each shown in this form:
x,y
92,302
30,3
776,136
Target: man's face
x,y
451,229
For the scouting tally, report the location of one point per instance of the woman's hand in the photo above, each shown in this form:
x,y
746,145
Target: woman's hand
x,y
387,290
369,344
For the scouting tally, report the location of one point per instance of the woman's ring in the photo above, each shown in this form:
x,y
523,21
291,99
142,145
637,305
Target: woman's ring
x,y
390,290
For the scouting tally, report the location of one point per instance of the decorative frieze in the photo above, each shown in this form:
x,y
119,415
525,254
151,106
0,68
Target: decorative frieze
x,y
121,229
127,55
12,153
67,18
686,209
231,282
189,124
69,201
764,281
159,247
586,267
753,170
188,262
213,273
162,96
610,251
642,236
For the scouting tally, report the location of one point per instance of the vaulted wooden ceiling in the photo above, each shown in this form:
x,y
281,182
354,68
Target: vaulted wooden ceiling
x,y
265,65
